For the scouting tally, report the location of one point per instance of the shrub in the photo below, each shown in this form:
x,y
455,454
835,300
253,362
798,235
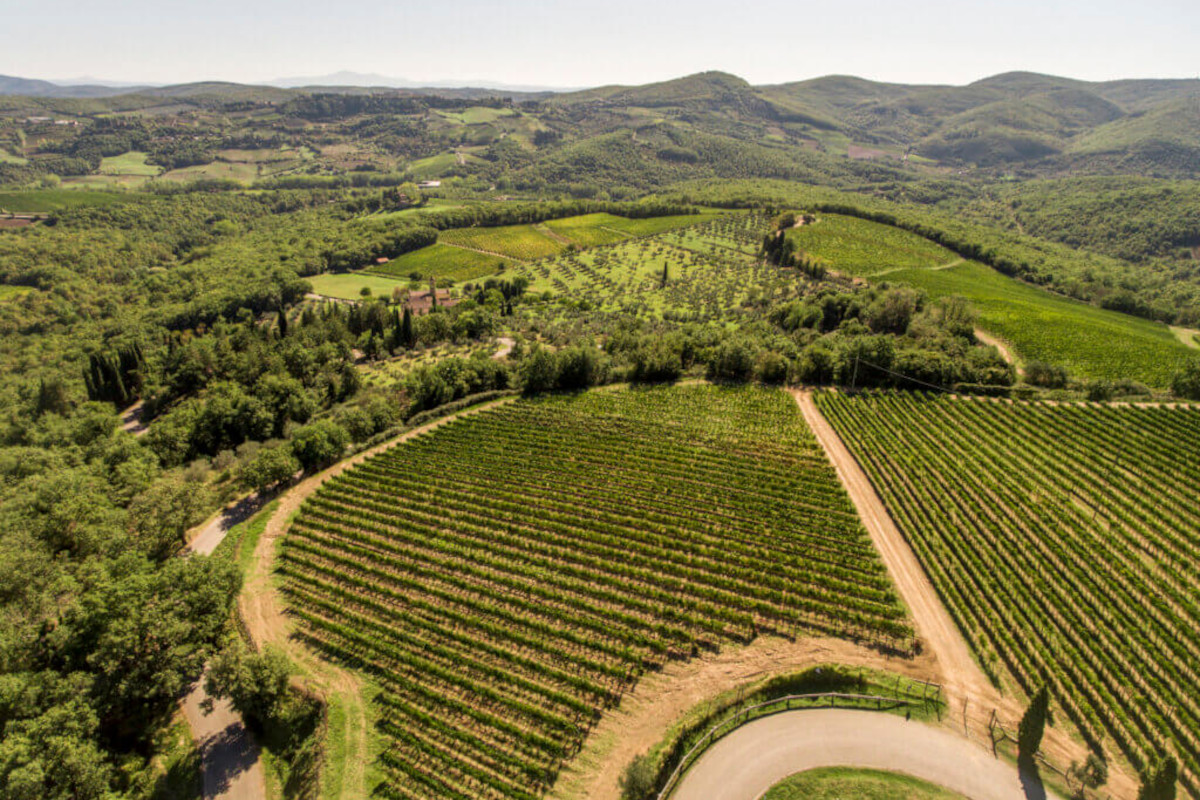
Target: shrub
x,y
637,781
1187,381
268,467
319,443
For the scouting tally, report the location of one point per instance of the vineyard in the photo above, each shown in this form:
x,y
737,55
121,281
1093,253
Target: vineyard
x,y
1092,341
862,248
1064,540
508,577
441,261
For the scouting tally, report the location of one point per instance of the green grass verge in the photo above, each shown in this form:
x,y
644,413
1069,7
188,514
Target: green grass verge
x,y
182,774
843,783
442,261
862,248
1091,342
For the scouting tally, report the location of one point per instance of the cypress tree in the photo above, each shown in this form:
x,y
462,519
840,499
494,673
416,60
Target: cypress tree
x,y
283,324
1033,725
407,336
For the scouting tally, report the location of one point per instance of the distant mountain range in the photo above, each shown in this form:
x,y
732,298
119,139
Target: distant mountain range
x,y
96,87
366,79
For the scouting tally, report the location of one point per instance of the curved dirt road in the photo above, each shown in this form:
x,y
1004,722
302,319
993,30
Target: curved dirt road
x,y
747,762
266,621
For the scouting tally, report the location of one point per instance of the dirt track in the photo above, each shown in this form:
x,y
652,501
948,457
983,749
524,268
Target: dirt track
x,y
747,762
263,613
971,696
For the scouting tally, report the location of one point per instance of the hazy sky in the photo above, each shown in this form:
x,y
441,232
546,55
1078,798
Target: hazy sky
x,y
576,43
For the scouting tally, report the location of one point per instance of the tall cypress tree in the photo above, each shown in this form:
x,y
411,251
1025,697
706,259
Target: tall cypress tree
x,y
1033,725
407,336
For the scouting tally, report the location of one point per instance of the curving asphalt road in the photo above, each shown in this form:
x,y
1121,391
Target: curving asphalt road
x,y
752,759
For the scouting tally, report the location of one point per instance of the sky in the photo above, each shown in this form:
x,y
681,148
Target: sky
x,y
572,43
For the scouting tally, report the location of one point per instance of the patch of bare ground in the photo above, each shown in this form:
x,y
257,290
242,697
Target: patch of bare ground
x,y
971,697
1005,351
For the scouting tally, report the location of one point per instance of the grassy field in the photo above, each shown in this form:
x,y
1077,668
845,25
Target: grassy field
x,y
507,577
131,163
393,371
34,200
845,783
477,115
651,226
1090,341
1063,541
442,261
217,170
861,248
349,285
11,158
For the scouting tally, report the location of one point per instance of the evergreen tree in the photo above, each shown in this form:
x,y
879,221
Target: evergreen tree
x,y
1033,725
664,276
408,336
283,324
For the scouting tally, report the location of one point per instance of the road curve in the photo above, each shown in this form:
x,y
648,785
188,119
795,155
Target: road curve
x,y
752,759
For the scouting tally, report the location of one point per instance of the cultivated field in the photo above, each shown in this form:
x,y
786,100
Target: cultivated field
x,y
442,261
861,248
508,577
1090,341
709,273
1063,538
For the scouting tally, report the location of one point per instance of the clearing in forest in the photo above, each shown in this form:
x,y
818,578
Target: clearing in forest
x,y
508,577
1063,539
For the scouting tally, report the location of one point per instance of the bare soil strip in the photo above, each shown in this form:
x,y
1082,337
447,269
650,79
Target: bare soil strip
x,y
1005,351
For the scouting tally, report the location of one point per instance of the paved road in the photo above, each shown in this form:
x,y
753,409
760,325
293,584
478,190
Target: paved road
x,y
232,760
747,762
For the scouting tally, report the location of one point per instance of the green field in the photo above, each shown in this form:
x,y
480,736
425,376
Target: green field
x,y
520,242
1092,342
131,163
509,576
349,285
589,230
11,158
442,261
477,115
849,783
217,170
34,200
861,248
650,226
1062,539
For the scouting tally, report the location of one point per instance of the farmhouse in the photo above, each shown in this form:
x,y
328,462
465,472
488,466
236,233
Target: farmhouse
x,y
422,302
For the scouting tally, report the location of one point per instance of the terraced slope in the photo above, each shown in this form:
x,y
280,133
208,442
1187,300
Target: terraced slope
x,y
1064,539
508,577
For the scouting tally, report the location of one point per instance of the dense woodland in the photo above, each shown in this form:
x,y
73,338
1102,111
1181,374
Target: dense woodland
x,y
189,296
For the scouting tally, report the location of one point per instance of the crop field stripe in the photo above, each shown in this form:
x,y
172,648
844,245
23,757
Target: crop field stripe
x,y
1073,567
492,578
